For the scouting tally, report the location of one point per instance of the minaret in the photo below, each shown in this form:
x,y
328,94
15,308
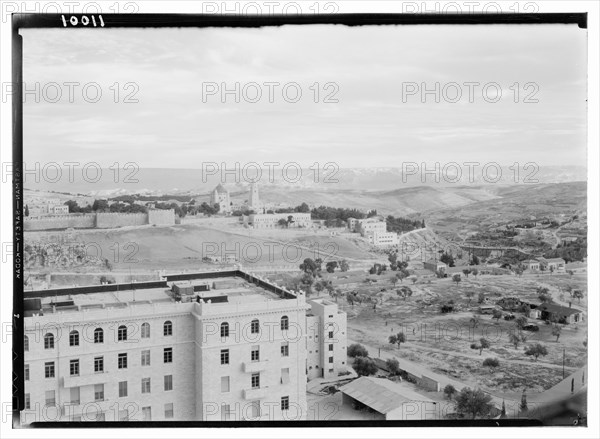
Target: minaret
x,y
254,200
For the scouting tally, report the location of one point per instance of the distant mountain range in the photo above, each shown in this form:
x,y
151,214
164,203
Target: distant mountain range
x,y
152,181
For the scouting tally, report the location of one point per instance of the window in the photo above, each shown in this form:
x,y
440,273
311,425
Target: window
x,y
74,367
168,355
255,380
146,358
168,382
224,329
145,385
285,323
330,316
254,326
169,410
50,397
224,356
224,384
330,334
285,403
285,349
168,328
330,347
254,354
122,333
98,392
285,375
27,372
27,401
73,338
26,344
48,341
147,413
74,395
122,389
145,330
331,359
49,369
99,364
98,335
122,361
225,412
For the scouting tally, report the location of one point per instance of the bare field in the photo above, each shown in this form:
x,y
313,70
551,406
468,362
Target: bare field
x,y
442,342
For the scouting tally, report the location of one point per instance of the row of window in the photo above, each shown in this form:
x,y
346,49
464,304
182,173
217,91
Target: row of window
x,y
255,353
255,410
123,414
284,324
49,338
50,369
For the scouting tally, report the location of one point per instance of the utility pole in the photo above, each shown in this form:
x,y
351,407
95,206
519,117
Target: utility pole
x,y
563,363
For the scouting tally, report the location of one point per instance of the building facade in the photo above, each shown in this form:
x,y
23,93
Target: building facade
x,y
220,196
264,221
238,352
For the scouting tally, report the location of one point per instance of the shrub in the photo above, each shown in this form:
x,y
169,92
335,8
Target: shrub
x,y
357,350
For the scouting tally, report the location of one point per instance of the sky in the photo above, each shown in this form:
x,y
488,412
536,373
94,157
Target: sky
x,y
370,70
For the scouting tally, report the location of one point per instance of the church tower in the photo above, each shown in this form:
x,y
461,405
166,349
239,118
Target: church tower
x,y
254,200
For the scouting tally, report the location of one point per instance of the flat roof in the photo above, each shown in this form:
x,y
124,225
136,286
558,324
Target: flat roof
x,y
237,290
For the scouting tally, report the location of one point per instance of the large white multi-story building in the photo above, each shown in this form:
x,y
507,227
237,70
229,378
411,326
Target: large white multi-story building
x,y
236,351
271,220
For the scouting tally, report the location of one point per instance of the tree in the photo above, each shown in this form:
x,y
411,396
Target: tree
x,y
402,274
521,322
282,223
570,273
578,294
483,344
344,265
474,260
26,213
474,271
357,350
447,259
481,298
364,366
449,391
100,205
475,320
514,339
544,294
496,314
310,266
469,295
394,280
331,266
456,278
556,330
536,351
473,402
491,363
466,272
393,366
397,339
523,405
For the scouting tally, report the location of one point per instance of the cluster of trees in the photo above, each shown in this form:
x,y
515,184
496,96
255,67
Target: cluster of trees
x,y
105,206
311,277
362,364
447,259
401,225
570,251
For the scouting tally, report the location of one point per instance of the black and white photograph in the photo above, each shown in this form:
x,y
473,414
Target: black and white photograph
x,y
295,216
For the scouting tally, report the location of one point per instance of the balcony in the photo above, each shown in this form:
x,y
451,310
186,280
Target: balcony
x,y
257,393
255,366
85,380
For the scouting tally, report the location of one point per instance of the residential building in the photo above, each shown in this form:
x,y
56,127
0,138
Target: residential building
x,y
383,239
434,265
553,311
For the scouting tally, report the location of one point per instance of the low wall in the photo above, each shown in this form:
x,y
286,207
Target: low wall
x,y
112,220
55,222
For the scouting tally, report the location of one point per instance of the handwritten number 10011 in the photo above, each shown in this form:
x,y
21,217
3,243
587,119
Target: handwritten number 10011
x,y
85,21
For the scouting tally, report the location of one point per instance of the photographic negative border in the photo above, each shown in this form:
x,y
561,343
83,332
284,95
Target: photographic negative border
x,y
22,21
